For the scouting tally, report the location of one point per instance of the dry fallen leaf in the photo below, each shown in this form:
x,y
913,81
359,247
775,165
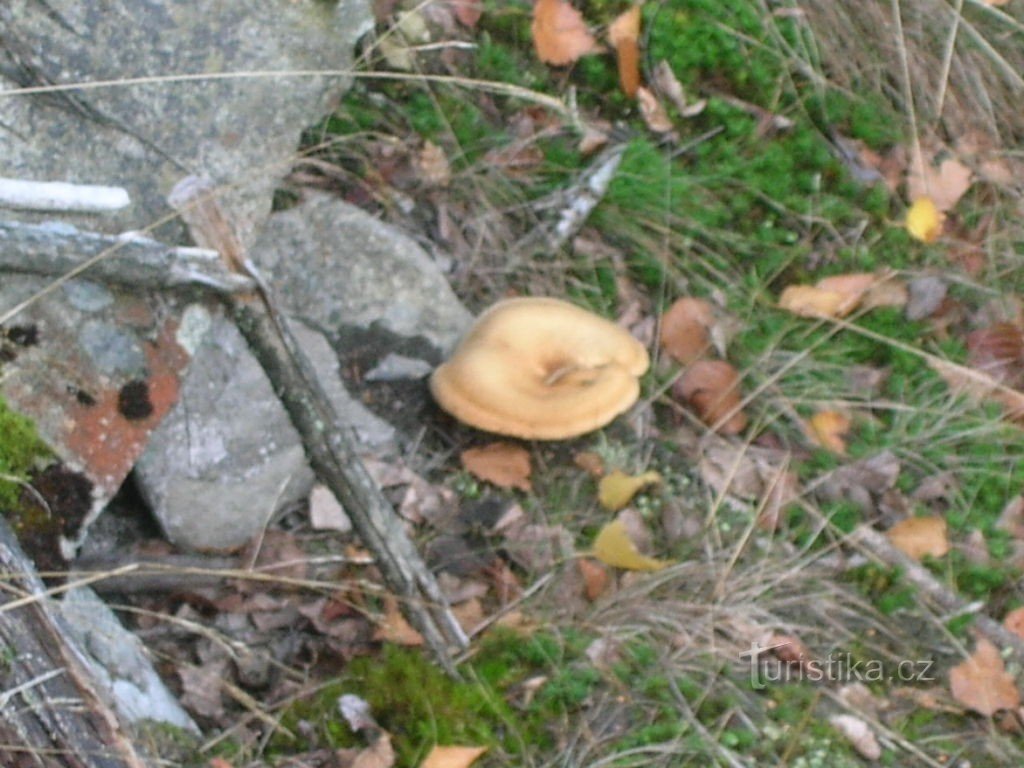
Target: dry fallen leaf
x,y
452,757
835,296
924,220
712,388
944,185
507,465
651,110
614,547
980,387
432,166
589,462
595,577
981,682
998,351
684,329
624,35
787,648
560,35
1014,621
468,12
828,429
617,489
859,734
380,754
666,83
920,536
808,301
393,628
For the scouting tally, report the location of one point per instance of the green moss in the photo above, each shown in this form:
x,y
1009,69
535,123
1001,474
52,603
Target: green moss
x,y
21,449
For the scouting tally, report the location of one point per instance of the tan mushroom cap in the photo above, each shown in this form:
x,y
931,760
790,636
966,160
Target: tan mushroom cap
x,y
540,369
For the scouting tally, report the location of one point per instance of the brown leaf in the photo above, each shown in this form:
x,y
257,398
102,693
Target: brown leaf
x,y
980,386
469,614
684,329
998,351
595,577
432,166
380,754
788,649
468,12
835,296
393,628
943,185
1011,519
560,35
712,387
1014,621
452,757
589,462
828,430
809,301
666,82
981,682
624,35
859,734
651,110
920,536
507,465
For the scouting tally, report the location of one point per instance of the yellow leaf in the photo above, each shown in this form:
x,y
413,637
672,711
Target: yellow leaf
x,y
614,547
924,220
920,536
617,489
452,757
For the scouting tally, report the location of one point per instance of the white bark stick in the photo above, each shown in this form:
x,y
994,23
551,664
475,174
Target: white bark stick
x,y
61,196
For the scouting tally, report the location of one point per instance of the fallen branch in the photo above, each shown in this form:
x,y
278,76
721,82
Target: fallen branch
x,y
61,196
875,544
51,715
331,451
54,250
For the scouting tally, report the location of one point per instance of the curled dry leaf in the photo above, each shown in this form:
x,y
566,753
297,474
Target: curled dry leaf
x,y
507,465
684,329
788,649
651,110
614,547
828,430
712,388
595,577
617,489
452,757
924,220
560,35
666,82
981,682
624,35
859,734
920,536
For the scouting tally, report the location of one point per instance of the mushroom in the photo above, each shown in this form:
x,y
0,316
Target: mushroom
x,y
540,369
